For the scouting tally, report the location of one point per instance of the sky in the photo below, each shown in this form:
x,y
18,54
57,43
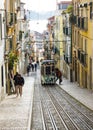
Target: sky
x,y
38,26
40,6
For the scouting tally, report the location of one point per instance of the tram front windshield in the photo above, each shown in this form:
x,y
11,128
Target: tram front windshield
x,y
47,67
48,70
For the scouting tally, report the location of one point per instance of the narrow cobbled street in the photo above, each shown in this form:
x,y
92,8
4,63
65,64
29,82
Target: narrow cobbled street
x,y
54,109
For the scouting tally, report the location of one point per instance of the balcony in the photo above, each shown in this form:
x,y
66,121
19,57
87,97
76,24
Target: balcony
x,y
82,57
79,54
67,59
67,30
10,19
73,19
84,23
20,35
15,18
78,21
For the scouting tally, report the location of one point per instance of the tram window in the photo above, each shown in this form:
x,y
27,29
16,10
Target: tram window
x,y
48,71
52,68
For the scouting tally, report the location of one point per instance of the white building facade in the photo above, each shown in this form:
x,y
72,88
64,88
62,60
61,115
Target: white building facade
x,y
2,46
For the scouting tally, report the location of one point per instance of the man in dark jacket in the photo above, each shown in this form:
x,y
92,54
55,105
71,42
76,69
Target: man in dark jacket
x,y
58,75
19,82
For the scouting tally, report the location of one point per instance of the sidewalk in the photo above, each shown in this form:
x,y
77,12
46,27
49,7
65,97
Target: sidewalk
x,y
83,95
15,113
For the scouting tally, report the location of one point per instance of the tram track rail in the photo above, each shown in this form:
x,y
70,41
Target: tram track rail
x,y
81,107
82,121
77,105
52,118
64,117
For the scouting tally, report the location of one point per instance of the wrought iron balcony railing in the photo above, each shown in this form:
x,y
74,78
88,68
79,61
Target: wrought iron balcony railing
x,y
11,18
82,23
67,30
82,57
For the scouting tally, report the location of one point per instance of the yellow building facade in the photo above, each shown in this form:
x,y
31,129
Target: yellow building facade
x,y
82,40
59,41
63,36
10,45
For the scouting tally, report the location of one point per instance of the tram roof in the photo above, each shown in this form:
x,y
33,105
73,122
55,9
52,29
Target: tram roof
x,y
47,61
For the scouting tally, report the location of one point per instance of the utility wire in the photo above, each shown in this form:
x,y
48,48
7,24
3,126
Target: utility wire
x,y
52,41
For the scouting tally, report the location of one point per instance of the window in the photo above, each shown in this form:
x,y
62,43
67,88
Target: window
x,y
48,70
85,46
82,43
75,37
60,6
64,6
11,43
78,37
0,26
91,8
77,11
2,78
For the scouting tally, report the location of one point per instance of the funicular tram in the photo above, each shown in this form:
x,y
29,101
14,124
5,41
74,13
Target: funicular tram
x,y
48,75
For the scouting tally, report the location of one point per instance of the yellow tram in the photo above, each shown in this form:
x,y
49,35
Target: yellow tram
x,y
48,75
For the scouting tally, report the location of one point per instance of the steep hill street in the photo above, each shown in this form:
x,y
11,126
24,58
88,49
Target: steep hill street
x,y
46,107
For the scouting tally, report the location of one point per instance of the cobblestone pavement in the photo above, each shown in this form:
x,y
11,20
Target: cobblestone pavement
x,y
15,111
83,95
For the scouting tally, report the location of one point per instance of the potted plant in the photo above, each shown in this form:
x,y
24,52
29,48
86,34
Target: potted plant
x,y
13,58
